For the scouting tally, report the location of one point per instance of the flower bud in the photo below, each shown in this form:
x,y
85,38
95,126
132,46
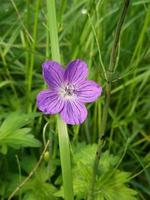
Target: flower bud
x,y
46,156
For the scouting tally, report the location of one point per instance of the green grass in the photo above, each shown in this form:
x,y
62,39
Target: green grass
x,y
24,46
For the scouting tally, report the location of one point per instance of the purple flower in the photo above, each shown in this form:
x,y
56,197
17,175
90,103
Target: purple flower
x,y
68,91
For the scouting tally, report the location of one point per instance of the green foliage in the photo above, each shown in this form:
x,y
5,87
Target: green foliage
x,y
39,186
22,50
14,134
111,183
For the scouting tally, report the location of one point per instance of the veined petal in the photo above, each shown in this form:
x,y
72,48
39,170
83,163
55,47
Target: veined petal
x,y
73,112
88,91
53,73
49,102
76,71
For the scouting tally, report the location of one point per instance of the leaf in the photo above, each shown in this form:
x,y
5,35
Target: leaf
x,y
13,135
16,120
86,155
111,183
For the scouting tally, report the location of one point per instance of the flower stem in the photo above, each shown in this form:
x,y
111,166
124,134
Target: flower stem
x,y
62,127
65,159
113,58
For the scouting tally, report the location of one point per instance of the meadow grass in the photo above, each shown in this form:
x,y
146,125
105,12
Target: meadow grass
x,y
86,31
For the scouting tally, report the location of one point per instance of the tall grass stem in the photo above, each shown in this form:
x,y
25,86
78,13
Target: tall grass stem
x,y
62,127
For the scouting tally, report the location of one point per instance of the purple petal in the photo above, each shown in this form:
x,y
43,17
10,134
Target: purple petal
x,y
76,71
88,91
74,112
49,102
53,73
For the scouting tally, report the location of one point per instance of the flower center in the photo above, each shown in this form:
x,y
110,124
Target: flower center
x,y
67,91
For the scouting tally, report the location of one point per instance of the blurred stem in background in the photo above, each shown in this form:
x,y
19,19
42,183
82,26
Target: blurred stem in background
x,y
111,69
30,71
62,127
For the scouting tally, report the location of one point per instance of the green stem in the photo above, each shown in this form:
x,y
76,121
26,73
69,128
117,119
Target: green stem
x,y
65,159
62,127
113,58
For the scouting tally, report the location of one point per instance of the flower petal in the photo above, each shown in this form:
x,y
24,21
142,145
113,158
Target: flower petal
x,y
76,71
88,91
74,112
49,102
53,73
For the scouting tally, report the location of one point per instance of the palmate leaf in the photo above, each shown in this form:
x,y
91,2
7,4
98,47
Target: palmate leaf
x,y
113,186
13,135
111,183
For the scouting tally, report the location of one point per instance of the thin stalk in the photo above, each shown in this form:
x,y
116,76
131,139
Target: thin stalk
x,y
98,47
113,58
20,175
62,127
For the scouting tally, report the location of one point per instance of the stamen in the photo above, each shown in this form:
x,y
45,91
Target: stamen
x,y
67,91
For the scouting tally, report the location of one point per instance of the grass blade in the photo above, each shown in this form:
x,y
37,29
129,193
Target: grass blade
x,y
62,127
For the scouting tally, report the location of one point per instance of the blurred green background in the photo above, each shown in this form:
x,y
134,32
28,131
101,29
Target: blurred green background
x,y
86,30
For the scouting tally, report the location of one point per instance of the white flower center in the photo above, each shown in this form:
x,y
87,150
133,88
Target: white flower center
x,y
67,91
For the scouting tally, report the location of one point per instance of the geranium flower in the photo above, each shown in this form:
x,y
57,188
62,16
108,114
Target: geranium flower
x,y
68,91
